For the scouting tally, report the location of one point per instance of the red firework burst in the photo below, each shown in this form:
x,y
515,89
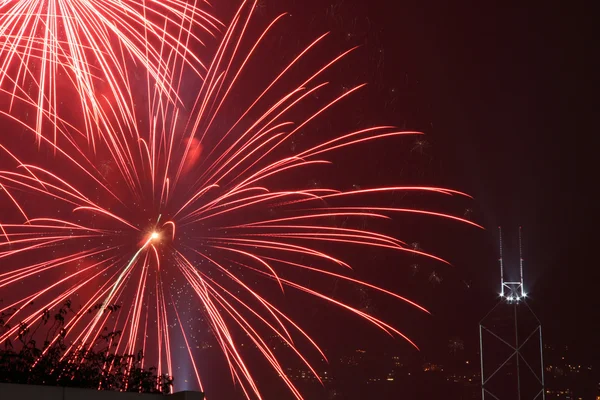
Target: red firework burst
x,y
55,51
172,207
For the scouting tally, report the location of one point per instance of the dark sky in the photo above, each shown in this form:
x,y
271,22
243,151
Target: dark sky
x,y
511,104
504,95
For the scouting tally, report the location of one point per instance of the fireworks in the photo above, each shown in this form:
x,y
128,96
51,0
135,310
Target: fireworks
x,y
55,51
182,202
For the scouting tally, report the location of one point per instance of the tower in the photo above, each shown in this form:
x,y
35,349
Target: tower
x,y
510,341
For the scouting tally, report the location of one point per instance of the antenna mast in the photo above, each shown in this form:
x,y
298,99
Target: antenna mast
x,y
512,290
501,265
505,333
521,263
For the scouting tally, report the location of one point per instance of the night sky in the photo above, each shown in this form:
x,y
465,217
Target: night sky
x,y
503,95
509,100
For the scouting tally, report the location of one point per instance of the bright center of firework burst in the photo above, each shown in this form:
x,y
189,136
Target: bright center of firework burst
x,y
154,236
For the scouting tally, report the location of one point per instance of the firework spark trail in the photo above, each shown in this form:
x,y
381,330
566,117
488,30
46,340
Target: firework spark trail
x,y
91,44
187,211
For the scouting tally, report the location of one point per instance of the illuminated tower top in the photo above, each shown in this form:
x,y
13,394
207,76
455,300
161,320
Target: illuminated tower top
x,y
513,291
